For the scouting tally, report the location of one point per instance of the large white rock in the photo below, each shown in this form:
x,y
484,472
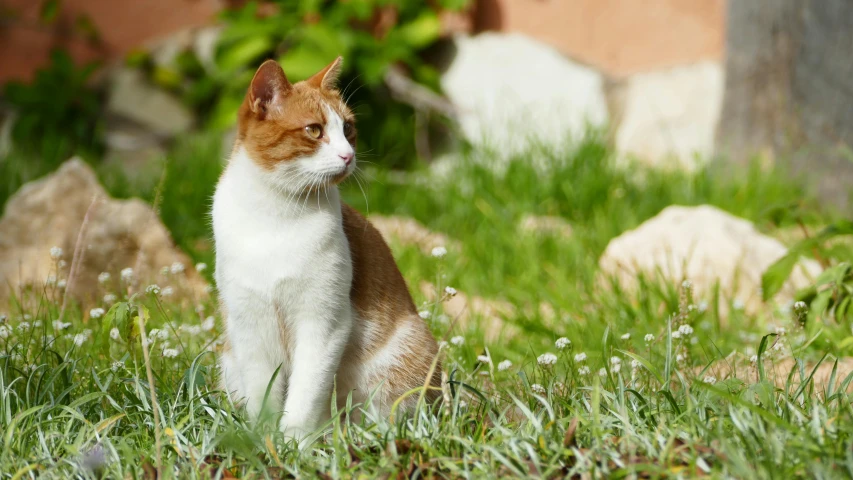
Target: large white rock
x,y
704,245
671,114
117,234
511,90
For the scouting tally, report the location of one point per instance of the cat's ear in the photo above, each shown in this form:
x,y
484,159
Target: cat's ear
x,y
327,78
269,86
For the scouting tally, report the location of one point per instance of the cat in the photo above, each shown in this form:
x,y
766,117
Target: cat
x,y
307,285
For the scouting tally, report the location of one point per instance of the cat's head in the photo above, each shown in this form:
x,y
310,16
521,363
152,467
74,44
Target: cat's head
x,y
302,135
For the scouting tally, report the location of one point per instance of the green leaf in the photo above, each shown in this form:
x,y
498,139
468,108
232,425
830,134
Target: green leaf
x,y
777,274
301,62
422,31
762,347
243,53
49,11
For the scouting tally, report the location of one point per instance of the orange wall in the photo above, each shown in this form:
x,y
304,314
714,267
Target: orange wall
x,y
122,24
618,36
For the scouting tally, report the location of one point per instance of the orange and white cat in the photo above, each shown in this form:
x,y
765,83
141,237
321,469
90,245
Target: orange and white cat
x,y
307,284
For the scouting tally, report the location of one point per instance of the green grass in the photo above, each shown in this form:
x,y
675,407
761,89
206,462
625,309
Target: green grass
x,y
65,406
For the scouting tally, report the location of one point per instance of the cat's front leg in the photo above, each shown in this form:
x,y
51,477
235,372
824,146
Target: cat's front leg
x,y
319,345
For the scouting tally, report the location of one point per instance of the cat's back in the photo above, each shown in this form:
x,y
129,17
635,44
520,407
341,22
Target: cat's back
x,y
379,291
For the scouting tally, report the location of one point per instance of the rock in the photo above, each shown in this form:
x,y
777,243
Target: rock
x,y
546,225
704,245
118,234
669,114
511,92
408,231
132,97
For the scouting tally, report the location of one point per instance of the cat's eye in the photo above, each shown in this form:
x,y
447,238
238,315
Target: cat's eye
x,y
348,129
316,131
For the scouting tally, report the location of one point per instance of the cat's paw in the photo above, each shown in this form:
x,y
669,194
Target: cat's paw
x,y
297,431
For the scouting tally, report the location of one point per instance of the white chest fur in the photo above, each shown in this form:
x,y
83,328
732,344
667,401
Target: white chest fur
x,y
283,271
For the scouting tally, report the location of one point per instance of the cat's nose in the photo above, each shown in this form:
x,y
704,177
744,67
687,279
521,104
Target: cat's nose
x,y
347,157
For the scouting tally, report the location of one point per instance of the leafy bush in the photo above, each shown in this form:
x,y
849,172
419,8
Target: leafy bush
x,y
304,36
59,113
831,297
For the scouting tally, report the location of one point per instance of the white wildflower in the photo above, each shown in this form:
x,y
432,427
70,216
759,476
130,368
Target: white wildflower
x,y
192,330
584,370
208,324
3,318
55,253
649,338
96,312
439,252
538,389
781,331
425,314
153,288
62,263
200,267
442,319
177,268
114,333
168,291
27,316
710,379
127,274
504,365
581,357
442,344
457,340
738,304
24,326
562,343
4,331
635,364
615,368
627,336
800,307
57,325
602,372
164,271
61,284
680,358
676,334
159,334
686,284
547,359
37,323
615,360
450,291
115,366
170,352
685,330
103,277
110,298
484,359
703,306
80,339
463,404
51,280
753,359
